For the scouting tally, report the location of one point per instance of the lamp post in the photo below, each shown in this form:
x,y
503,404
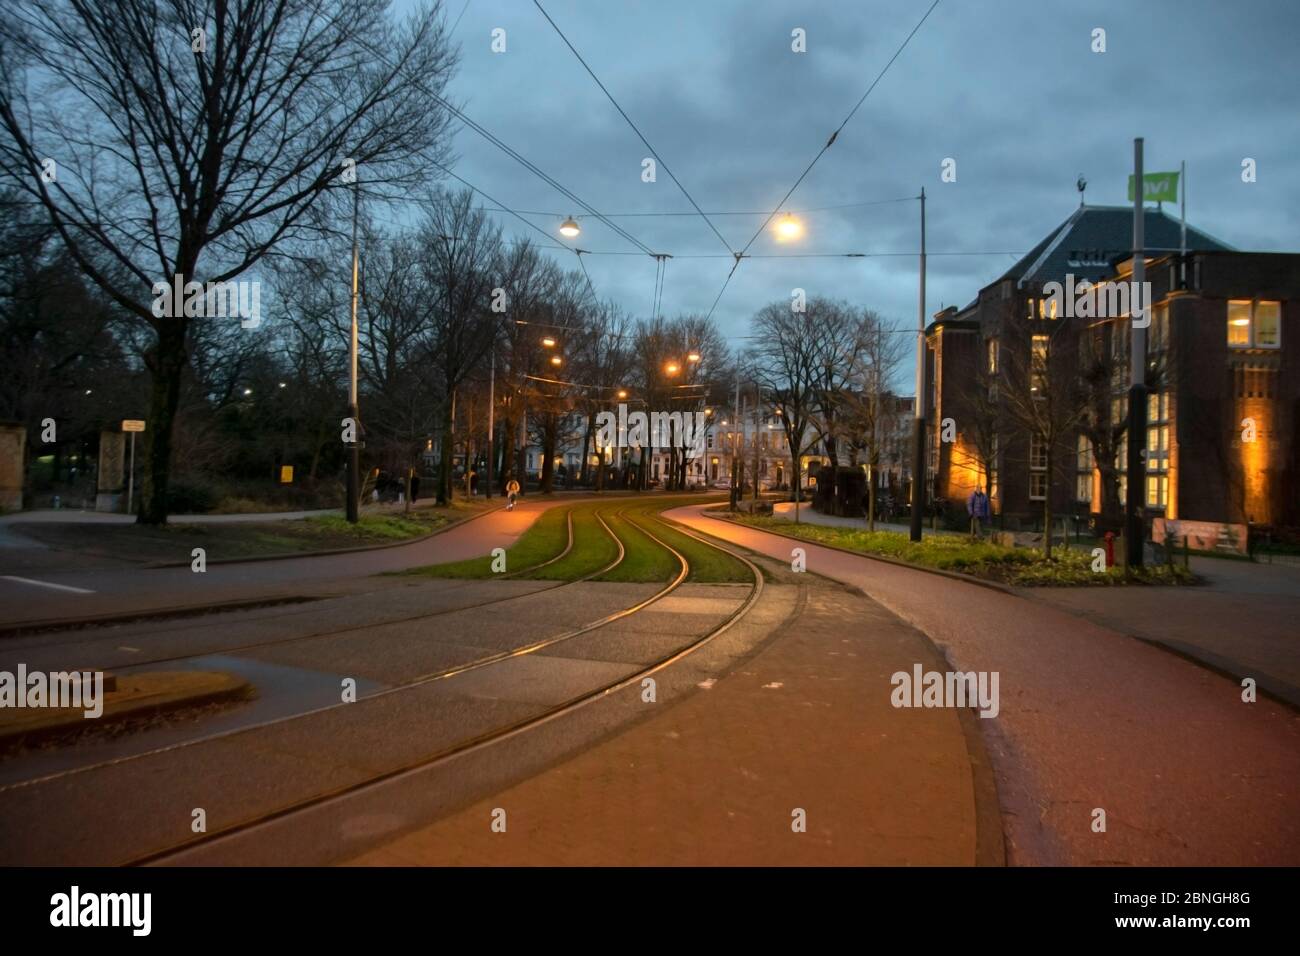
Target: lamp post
x,y
918,423
1135,491
354,460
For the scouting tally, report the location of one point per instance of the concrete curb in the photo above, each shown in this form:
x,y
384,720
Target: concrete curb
x,y
239,689
1274,689
331,551
990,841
955,575
25,628
20,628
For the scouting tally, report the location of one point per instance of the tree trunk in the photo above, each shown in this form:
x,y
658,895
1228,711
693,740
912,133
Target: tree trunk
x,y
168,368
871,498
1047,510
445,452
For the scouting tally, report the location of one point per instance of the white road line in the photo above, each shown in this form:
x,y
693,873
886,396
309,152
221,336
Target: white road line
x,y
46,584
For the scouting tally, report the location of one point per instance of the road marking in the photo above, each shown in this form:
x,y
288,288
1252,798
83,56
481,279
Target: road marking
x,y
46,584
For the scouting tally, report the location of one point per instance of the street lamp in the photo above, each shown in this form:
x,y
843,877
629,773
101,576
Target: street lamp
x,y
622,393
693,357
549,342
570,228
672,368
788,228
556,360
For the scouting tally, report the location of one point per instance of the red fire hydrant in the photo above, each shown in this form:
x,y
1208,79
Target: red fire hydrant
x,y
1109,538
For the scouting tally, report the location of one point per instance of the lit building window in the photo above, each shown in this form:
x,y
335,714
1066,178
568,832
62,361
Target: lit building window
x,y
1254,324
1159,334
993,356
1038,364
1037,467
1157,449
1083,468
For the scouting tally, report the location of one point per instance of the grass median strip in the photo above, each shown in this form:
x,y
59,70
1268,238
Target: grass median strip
x,y
240,539
645,561
593,549
708,565
1015,566
546,538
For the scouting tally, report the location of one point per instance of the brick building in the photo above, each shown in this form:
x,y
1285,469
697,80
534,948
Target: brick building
x,y
1222,352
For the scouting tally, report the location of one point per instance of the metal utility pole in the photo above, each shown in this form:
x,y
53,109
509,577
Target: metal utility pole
x,y
735,449
354,459
1139,310
492,400
918,423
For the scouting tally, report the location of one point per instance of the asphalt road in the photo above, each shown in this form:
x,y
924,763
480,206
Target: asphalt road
x,y
1186,772
52,594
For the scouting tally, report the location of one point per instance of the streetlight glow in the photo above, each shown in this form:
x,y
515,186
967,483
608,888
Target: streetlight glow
x,y
548,341
672,368
556,360
788,228
570,228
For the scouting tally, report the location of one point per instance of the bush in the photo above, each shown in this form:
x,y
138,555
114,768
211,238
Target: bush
x,y
190,498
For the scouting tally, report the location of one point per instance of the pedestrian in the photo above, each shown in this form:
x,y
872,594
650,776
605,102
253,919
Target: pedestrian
x,y
415,486
977,506
512,489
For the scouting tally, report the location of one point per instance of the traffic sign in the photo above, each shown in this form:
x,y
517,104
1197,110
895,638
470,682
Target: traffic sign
x,y
132,425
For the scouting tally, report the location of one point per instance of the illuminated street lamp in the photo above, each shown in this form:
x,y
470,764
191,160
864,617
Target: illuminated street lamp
x,y
570,228
549,342
672,368
556,360
693,357
788,228
622,393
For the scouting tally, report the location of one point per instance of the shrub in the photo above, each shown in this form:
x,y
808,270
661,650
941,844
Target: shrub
x,y
190,498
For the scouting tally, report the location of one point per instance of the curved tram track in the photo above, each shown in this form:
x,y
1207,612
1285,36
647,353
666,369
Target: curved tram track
x,y
499,733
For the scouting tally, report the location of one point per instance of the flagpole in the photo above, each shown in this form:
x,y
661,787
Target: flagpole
x,y
1182,247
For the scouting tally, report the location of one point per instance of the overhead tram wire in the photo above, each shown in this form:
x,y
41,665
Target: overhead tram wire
x,y
622,112
750,212
516,155
820,153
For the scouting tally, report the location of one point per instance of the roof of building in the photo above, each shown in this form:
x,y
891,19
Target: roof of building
x,y
1093,238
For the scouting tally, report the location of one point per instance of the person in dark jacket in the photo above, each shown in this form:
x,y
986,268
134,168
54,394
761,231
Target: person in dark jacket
x,y
977,506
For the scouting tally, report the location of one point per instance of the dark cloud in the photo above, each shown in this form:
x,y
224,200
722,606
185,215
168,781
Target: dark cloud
x,y
1011,90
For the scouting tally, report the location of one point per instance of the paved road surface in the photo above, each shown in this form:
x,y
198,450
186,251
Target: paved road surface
x,y
58,594
1186,772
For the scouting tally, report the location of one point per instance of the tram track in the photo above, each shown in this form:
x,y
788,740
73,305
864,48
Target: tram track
x,y
252,824
422,679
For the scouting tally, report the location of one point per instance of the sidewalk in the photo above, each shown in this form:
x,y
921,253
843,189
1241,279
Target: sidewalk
x,y
805,724
1243,621
1187,772
785,509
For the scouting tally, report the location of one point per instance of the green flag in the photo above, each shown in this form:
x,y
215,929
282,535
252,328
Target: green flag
x,y
1156,187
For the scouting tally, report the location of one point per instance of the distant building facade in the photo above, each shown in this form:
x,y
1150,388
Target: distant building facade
x,y
1223,356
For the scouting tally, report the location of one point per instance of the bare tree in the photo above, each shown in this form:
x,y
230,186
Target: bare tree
x,y
870,409
191,139
1040,399
461,263
786,362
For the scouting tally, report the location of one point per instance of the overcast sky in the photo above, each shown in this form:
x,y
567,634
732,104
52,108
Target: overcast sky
x,y
1010,89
